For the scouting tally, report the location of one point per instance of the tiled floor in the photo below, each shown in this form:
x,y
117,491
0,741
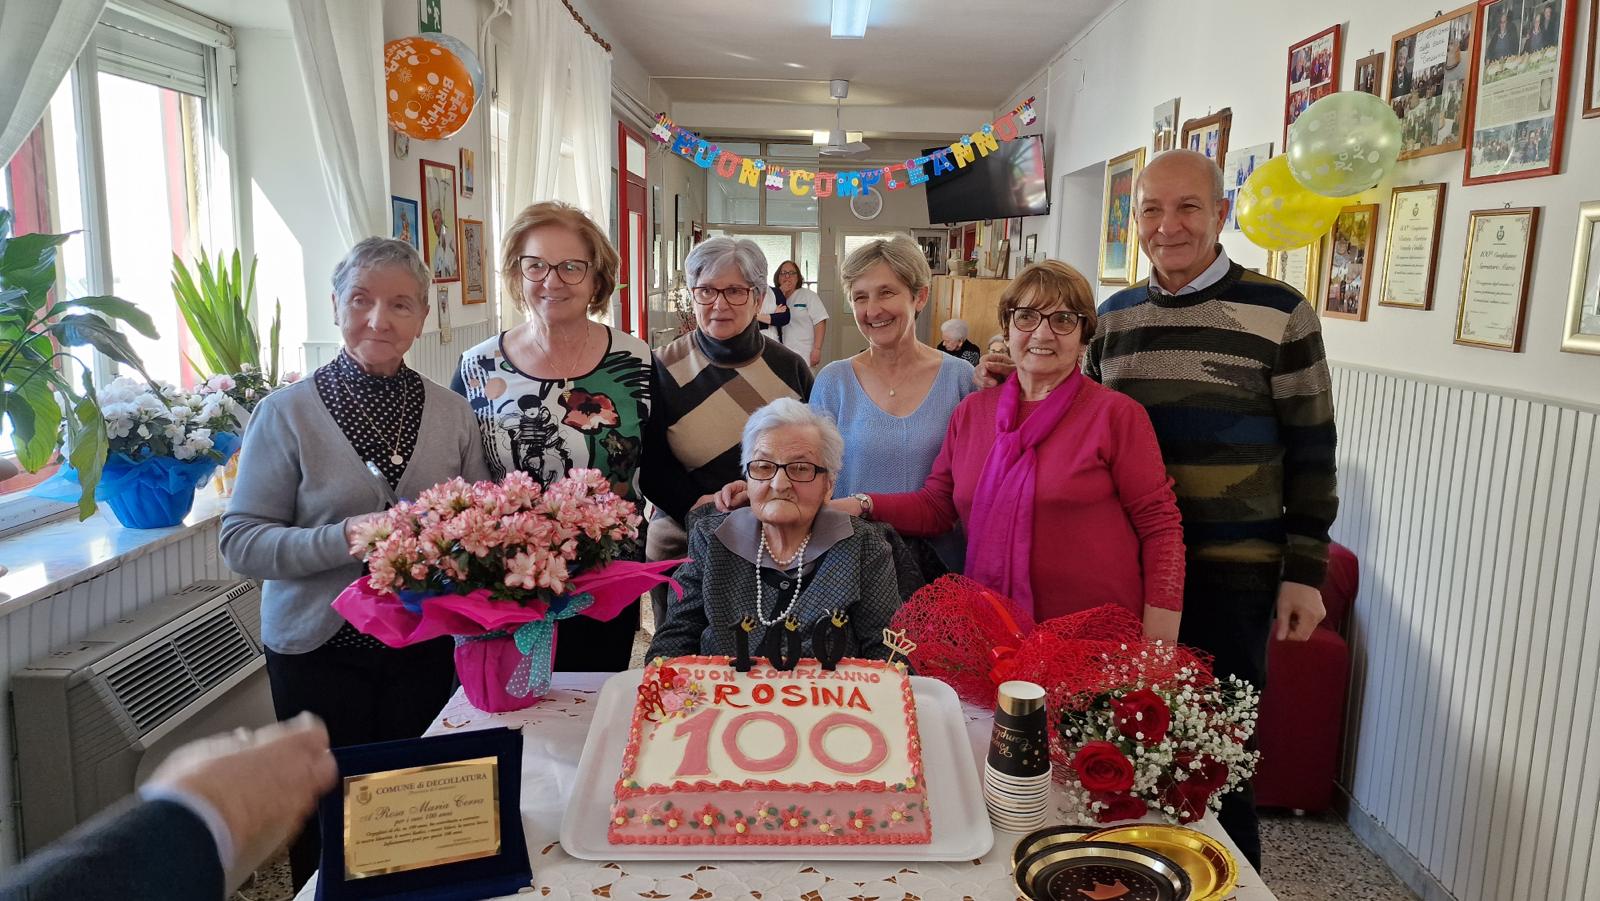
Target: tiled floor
x,y
1317,858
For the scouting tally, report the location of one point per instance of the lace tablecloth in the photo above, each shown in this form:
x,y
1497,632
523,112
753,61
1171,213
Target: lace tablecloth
x,y
558,726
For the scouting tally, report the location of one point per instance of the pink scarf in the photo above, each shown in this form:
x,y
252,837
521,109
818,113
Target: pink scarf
x,y
1000,527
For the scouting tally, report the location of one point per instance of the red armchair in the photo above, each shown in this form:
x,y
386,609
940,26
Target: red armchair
x,y
1300,731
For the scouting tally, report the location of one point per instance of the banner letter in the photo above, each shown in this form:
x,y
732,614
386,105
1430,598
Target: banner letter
x,y
941,162
795,179
728,164
1005,127
915,174
705,154
749,174
823,186
985,142
964,154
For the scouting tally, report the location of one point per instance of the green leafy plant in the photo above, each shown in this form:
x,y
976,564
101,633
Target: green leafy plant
x,y
47,411
216,302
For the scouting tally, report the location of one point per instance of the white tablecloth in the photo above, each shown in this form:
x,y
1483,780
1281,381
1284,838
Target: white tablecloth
x,y
558,726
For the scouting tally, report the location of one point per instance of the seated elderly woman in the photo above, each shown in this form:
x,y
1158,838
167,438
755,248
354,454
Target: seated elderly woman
x,y
786,554
953,341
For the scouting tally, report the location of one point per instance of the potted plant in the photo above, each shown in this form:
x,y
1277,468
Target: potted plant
x,y
47,411
163,443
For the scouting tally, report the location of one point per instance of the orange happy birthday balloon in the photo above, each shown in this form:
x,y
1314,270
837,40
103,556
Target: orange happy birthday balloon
x,y
429,88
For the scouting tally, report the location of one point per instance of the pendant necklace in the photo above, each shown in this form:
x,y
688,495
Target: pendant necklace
x,y
566,380
394,445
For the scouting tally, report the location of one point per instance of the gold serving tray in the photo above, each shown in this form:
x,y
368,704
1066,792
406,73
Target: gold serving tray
x,y
1212,870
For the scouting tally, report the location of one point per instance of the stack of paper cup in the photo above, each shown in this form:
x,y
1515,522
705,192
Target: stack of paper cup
x,y
1016,776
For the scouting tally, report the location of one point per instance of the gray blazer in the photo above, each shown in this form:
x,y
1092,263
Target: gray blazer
x,y
299,480
857,573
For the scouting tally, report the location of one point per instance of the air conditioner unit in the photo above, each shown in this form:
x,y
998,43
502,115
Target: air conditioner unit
x,y
93,718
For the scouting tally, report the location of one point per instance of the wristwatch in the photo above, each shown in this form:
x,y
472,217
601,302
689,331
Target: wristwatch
x,y
866,504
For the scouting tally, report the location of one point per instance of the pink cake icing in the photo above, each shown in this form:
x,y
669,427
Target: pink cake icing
x,y
769,757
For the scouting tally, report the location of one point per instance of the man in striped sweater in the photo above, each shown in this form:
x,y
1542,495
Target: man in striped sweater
x,y
1230,366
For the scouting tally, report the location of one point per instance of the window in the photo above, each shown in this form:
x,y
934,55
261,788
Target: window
x,y
729,202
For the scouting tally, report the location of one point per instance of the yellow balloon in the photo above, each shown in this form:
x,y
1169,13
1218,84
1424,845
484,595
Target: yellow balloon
x,y
1277,213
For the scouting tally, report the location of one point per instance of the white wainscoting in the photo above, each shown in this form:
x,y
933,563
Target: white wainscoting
x,y
430,356
78,608
1472,734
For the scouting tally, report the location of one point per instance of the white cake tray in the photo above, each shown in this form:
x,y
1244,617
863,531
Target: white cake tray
x,y
961,829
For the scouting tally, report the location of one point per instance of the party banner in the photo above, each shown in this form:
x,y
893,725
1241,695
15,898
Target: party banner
x,y
844,183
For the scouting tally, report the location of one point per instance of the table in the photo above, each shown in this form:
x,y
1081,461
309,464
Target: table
x,y
557,727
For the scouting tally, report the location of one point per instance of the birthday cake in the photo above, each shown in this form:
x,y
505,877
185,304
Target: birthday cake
x,y
808,755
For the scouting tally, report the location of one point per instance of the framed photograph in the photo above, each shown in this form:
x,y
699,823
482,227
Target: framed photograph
x,y
400,143
441,303
935,244
403,218
1300,269
469,172
1431,78
1030,248
439,228
697,233
1164,126
1350,262
474,274
1495,276
430,16
1313,74
1583,304
1209,135
1369,74
1119,238
1236,168
1411,251
1518,112
1591,78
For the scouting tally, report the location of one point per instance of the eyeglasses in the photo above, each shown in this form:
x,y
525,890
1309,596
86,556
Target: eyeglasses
x,y
1062,322
792,273
766,470
537,269
735,295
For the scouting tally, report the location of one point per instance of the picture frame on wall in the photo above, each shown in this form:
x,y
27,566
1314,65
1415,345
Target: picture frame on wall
x,y
1349,278
1432,72
469,172
1209,135
1030,250
441,303
1582,335
1411,248
1237,167
1300,269
1516,122
405,224
1164,126
1495,276
1119,238
439,225
474,263
1591,78
1369,74
1313,73
935,244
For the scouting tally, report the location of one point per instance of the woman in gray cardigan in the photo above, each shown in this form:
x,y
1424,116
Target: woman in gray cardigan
x,y
786,555
321,456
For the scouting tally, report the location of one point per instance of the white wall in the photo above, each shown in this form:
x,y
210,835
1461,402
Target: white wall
x,y
1097,97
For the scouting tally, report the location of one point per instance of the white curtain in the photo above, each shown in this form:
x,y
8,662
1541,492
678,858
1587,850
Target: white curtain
x,y
558,85
39,42
340,47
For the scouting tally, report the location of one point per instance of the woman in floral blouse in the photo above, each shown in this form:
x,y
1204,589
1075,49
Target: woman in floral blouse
x,y
560,390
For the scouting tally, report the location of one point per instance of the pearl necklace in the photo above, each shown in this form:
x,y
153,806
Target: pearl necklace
x,y
799,578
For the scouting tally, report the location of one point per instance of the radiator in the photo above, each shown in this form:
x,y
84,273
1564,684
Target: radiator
x,y
94,717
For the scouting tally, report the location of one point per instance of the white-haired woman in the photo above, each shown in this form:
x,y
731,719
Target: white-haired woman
x,y
705,385
562,390
321,456
786,555
953,340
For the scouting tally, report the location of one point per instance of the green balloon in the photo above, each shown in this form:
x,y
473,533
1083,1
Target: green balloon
x,y
1344,144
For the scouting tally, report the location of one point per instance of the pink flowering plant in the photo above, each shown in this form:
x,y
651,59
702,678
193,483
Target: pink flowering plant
x,y
496,566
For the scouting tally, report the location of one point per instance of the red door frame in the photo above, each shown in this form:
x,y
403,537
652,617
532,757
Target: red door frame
x,y
632,197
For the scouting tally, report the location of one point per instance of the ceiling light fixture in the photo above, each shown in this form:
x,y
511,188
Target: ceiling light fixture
x,y
820,138
849,18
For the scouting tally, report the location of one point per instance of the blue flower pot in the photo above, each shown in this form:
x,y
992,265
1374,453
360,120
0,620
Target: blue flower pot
x,y
151,504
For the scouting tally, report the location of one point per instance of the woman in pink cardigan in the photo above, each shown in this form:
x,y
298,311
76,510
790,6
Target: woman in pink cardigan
x,y
1058,481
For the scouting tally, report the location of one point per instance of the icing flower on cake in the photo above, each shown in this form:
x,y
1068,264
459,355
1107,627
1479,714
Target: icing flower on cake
x,y
619,814
899,813
860,820
707,816
765,814
795,818
827,825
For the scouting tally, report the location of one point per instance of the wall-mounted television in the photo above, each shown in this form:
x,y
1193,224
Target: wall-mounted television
x,y
1002,185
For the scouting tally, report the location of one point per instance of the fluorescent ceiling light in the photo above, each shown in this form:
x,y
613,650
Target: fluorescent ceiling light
x,y
820,138
849,18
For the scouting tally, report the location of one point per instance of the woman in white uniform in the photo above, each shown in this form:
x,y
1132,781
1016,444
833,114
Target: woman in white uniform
x,y
808,318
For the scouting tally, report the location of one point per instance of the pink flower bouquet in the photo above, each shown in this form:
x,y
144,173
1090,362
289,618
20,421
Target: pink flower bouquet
x,y
497,566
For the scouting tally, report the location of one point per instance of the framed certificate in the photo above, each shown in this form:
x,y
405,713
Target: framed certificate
x,y
1591,78
1119,237
1300,269
1313,74
1350,262
1495,277
1517,118
1430,82
1411,256
1583,304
